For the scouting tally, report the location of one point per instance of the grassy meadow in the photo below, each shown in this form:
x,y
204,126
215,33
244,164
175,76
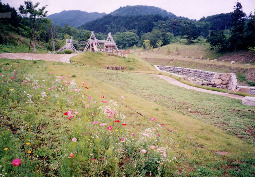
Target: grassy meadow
x,y
80,119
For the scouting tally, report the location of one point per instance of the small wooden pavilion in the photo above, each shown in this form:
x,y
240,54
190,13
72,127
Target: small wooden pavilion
x,y
95,45
69,46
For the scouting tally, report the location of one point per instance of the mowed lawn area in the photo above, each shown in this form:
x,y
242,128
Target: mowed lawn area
x,y
81,119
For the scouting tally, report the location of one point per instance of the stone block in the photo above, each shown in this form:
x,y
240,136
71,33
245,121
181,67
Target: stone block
x,y
217,81
223,86
224,82
252,91
250,101
243,89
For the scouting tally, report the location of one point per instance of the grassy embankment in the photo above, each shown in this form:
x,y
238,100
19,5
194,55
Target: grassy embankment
x,y
212,109
196,129
17,43
181,55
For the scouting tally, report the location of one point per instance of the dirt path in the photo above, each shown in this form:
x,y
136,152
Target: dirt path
x,y
64,58
180,84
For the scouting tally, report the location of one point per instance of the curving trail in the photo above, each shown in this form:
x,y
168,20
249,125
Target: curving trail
x,y
180,84
64,58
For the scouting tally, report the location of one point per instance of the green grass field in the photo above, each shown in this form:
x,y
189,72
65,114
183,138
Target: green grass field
x,y
121,123
183,51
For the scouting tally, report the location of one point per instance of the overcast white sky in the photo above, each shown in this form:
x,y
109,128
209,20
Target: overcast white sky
x,y
193,9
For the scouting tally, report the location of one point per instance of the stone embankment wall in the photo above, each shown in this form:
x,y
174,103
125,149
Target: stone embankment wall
x,y
208,78
245,89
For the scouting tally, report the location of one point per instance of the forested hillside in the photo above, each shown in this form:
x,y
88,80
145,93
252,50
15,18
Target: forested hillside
x,y
219,21
142,10
74,17
114,24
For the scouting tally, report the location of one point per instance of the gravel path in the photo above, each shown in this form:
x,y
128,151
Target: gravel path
x,y
64,58
180,84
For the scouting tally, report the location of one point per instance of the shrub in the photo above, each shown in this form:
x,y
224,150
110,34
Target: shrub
x,y
68,51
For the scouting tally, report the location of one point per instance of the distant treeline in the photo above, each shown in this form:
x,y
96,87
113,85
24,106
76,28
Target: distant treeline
x,y
132,27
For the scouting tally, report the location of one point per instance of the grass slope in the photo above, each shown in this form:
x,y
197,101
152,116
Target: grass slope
x,y
182,50
16,43
61,126
145,98
102,60
217,110
195,127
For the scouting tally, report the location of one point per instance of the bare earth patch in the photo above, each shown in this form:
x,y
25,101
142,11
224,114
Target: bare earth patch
x,y
64,58
223,153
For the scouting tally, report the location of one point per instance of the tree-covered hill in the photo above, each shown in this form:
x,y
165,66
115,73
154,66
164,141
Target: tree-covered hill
x,y
74,17
114,24
142,10
219,21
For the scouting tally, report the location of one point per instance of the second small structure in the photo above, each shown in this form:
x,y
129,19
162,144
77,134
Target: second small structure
x,y
107,46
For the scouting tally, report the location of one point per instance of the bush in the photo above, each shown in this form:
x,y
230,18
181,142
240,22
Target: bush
x,y
68,51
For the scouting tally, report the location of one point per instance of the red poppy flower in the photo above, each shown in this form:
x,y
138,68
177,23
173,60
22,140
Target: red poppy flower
x,y
86,87
102,96
16,162
66,113
71,155
124,124
109,127
117,121
70,117
12,78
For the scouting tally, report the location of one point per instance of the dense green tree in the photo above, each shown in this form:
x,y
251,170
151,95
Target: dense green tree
x,y
80,35
153,37
147,45
168,38
203,28
36,17
7,25
126,39
182,27
190,29
218,40
249,32
241,36
237,30
218,22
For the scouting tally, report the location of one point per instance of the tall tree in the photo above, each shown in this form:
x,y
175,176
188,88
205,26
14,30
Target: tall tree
x,y
8,24
218,41
153,37
237,30
249,32
36,17
126,39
